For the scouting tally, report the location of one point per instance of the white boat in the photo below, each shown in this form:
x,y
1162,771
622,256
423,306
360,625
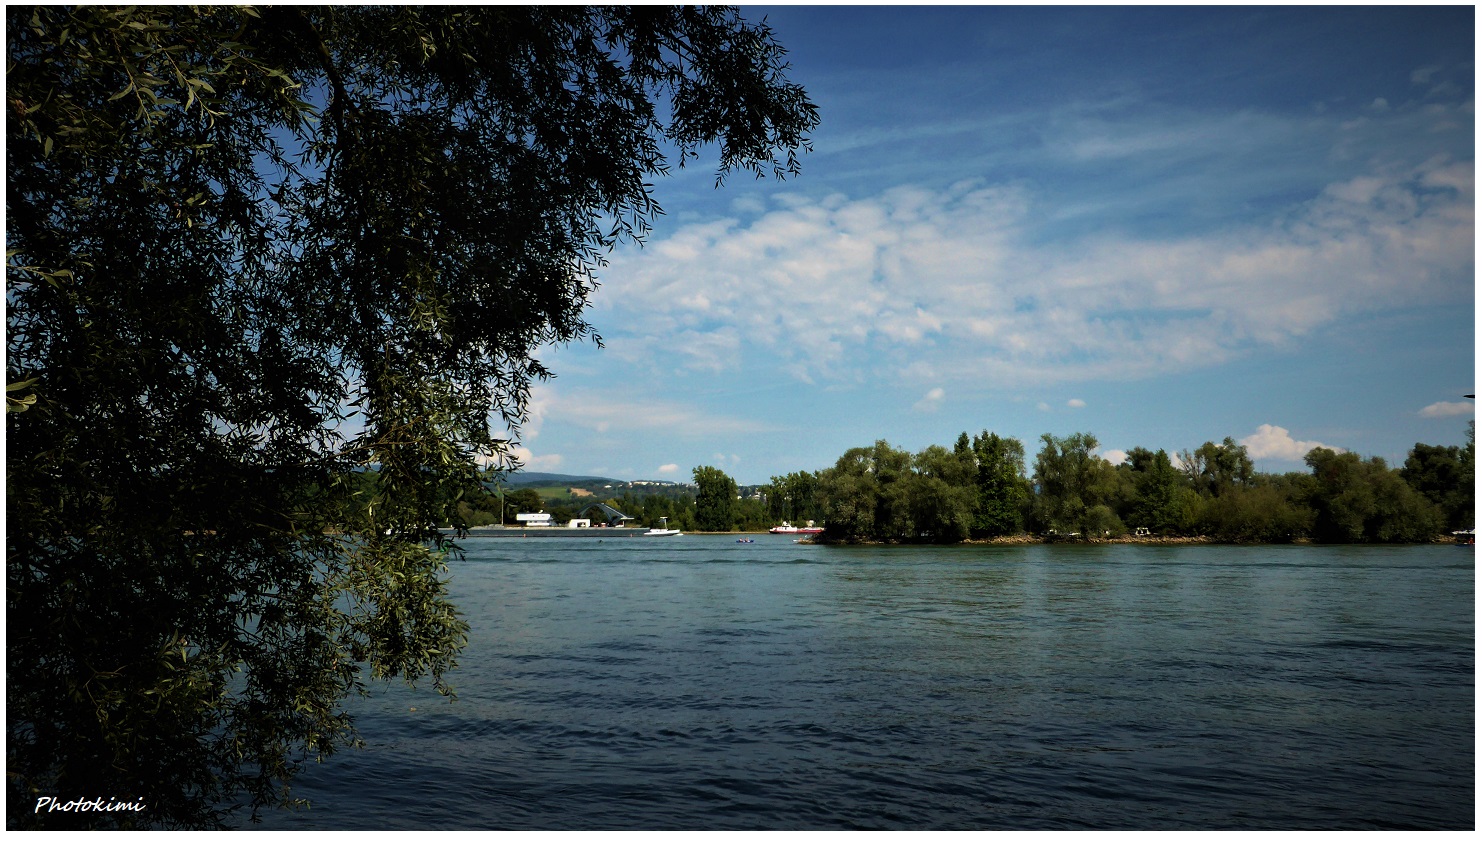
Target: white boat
x,y
663,530
789,528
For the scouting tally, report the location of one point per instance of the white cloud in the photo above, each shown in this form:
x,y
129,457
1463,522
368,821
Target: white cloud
x,y
840,289
1115,456
667,469
528,459
1076,403
1446,410
603,412
1275,442
931,402
1042,406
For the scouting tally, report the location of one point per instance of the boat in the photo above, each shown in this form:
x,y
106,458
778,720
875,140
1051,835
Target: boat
x,y
594,532
745,540
789,528
663,530
541,524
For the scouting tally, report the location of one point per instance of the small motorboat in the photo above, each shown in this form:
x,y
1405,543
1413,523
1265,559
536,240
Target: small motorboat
x,y
663,530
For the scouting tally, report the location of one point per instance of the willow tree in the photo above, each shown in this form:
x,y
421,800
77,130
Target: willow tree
x,y
250,254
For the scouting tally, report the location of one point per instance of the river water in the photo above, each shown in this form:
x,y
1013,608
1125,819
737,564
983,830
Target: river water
x,y
701,683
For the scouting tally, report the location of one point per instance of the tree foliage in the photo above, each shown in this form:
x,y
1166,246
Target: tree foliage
x,y
1362,501
715,499
1215,468
1446,477
794,497
1161,502
1072,486
977,489
943,492
251,252
882,493
1002,491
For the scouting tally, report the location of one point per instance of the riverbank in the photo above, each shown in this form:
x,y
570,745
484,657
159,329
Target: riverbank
x,y
1022,539
1031,539
1148,540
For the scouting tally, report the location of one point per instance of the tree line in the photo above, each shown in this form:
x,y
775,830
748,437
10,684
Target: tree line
x,y
716,503
983,487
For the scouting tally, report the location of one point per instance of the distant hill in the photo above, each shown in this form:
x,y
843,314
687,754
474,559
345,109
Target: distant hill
x,y
531,478
556,485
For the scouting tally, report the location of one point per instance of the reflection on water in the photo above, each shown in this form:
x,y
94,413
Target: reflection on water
x,y
704,684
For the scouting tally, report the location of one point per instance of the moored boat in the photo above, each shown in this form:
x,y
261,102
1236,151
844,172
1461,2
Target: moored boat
x,y
789,528
663,530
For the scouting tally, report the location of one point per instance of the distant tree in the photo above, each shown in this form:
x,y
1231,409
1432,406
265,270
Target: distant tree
x,y
943,494
1444,475
522,501
229,229
1161,500
1002,490
867,494
881,493
894,519
794,497
751,515
1101,521
1363,501
851,493
1066,472
715,501
1215,468
1273,510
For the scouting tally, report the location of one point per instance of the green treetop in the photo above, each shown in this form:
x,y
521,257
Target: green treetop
x,y
715,501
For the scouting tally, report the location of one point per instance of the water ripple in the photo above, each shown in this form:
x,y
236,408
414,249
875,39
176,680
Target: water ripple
x,y
708,685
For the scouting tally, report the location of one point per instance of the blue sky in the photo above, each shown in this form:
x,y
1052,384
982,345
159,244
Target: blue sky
x,y
1161,226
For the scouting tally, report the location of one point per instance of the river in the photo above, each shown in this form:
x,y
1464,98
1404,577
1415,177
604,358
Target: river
x,y
701,683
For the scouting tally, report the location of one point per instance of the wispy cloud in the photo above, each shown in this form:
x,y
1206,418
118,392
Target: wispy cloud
x,y
604,412
953,279
931,402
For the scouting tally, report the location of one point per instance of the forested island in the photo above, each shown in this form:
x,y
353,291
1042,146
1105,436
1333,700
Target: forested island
x,y
983,488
